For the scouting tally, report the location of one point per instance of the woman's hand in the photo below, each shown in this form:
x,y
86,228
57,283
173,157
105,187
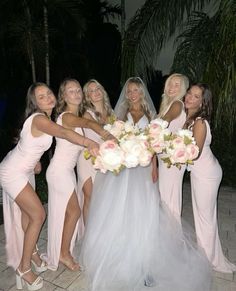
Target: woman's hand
x,y
93,148
108,136
38,168
154,174
154,169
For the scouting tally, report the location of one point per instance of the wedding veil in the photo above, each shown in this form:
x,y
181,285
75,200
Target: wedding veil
x,y
122,104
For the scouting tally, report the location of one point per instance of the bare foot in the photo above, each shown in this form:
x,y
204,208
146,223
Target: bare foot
x,y
69,262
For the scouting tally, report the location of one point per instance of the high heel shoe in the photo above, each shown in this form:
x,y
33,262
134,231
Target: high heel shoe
x,y
20,282
43,267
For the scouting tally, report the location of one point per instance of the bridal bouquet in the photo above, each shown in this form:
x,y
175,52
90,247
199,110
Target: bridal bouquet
x,y
158,134
180,149
132,150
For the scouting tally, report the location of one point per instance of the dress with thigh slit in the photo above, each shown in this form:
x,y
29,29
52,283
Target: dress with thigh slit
x,y
62,183
16,170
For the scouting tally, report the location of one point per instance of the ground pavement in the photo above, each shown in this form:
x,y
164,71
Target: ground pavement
x,y
63,279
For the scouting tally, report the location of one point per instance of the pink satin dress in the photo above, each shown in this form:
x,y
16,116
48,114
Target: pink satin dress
x,y
16,170
62,183
171,179
206,175
85,170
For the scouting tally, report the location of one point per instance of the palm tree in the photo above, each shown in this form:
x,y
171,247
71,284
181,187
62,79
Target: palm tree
x,y
153,24
123,18
20,31
207,52
206,47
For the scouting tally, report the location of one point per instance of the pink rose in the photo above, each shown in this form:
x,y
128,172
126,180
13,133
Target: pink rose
x,y
178,142
179,155
192,151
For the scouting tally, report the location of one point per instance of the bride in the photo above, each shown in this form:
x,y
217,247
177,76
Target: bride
x,y
131,241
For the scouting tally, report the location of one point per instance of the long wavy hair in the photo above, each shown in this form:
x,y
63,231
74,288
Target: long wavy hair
x,y
144,105
61,103
205,110
31,104
90,105
167,100
30,108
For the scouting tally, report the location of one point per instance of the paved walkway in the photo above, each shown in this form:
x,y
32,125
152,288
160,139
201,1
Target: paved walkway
x,y
63,279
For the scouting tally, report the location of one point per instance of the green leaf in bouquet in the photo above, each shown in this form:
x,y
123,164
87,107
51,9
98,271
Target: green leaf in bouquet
x,y
167,161
87,155
187,140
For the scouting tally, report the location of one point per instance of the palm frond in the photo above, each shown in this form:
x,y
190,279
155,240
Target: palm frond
x,y
207,52
220,71
194,45
149,29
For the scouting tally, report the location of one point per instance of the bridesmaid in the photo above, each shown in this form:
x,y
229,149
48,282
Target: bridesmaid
x,y
99,110
172,110
23,212
206,174
63,206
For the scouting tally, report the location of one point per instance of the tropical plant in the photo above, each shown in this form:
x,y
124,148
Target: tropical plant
x,y
206,47
207,52
153,24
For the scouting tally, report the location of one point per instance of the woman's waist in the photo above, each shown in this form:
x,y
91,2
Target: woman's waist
x,y
67,161
22,161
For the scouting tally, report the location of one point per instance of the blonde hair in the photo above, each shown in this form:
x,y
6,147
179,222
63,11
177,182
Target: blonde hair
x,y
167,100
61,104
144,105
90,105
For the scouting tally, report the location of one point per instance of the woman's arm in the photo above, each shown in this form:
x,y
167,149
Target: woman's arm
x,y
174,111
71,120
41,124
38,168
154,169
199,133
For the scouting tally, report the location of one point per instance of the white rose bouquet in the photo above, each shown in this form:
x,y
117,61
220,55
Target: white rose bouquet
x,y
132,150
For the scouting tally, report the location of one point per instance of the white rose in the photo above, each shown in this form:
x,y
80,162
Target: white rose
x,y
131,160
161,122
145,158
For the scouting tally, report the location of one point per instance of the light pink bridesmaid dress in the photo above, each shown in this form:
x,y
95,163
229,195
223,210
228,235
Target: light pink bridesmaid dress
x,y
61,181
206,175
85,170
16,170
171,179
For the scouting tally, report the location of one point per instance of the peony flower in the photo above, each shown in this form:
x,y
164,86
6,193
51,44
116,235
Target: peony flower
x,y
180,149
179,155
193,151
110,157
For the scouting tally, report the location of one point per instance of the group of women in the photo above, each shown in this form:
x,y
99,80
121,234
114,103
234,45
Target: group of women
x,y
131,233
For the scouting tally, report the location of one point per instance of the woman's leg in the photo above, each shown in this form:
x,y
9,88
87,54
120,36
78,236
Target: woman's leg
x,y
71,218
87,190
33,216
25,222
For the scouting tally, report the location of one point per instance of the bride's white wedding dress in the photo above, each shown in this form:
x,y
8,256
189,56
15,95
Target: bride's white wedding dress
x,y
132,242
